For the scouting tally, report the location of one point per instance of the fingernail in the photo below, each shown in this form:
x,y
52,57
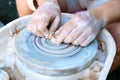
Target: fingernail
x,y
57,32
29,29
41,36
51,35
34,30
68,40
46,33
55,41
84,44
76,43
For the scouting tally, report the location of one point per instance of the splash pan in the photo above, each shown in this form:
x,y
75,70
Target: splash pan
x,y
45,57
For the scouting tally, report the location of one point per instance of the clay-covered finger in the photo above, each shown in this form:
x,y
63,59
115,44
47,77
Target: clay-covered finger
x,y
88,40
30,25
33,29
54,26
75,33
38,34
81,38
66,29
43,25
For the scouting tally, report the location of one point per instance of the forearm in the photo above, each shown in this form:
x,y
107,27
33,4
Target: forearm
x,y
40,2
61,3
110,11
23,8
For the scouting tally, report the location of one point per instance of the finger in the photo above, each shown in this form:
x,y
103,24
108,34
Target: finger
x,y
37,32
81,38
43,24
29,28
75,33
66,29
88,40
33,29
30,25
53,35
54,25
59,30
72,36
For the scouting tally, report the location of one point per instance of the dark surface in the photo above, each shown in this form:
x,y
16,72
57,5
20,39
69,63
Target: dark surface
x,y
1,24
8,11
114,75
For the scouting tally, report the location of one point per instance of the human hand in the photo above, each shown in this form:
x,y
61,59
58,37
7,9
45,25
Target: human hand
x,y
46,15
81,29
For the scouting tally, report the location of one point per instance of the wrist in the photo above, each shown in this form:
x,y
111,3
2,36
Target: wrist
x,y
49,6
99,15
41,2
34,4
109,12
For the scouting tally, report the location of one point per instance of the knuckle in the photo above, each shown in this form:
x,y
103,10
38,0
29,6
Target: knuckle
x,y
83,44
91,31
43,14
29,29
50,8
40,28
71,22
53,28
65,31
77,17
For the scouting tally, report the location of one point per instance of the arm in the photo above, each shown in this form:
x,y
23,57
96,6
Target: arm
x,y
47,14
23,8
83,27
62,4
41,2
110,12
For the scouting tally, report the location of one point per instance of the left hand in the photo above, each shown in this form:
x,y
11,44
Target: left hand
x,y
47,13
81,29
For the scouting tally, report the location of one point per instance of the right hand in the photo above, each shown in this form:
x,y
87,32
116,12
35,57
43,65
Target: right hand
x,y
47,15
81,29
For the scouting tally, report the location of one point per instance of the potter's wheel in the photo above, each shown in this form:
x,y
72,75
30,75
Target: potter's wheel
x,y
45,57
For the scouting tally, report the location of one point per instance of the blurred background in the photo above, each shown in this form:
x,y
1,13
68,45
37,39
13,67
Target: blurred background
x,y
8,11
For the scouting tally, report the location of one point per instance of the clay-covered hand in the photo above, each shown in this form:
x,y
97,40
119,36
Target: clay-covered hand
x,y
81,29
46,15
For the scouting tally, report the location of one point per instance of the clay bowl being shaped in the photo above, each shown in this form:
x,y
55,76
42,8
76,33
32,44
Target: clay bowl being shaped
x,y
44,57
